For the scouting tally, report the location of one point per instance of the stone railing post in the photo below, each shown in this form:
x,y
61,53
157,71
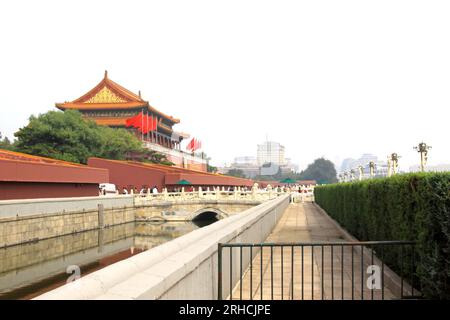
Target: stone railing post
x,y
270,190
200,192
182,195
254,191
165,194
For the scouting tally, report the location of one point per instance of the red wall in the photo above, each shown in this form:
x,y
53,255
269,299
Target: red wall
x,y
130,174
34,190
125,174
23,171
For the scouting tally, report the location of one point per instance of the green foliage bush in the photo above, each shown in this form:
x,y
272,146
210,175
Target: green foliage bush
x,y
412,207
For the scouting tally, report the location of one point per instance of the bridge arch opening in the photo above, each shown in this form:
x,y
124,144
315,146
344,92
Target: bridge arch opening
x,y
205,218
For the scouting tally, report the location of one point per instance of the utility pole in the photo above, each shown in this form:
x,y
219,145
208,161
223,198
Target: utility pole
x,y
423,148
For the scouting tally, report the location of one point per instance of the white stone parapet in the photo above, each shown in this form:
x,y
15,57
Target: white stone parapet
x,y
216,194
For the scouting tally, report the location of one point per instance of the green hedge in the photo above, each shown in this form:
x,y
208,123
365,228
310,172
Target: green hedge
x,y
404,207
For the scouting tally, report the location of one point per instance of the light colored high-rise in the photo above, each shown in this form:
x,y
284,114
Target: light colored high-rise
x,y
270,152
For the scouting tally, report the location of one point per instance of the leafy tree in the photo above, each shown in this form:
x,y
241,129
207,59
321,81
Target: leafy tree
x,y
321,170
211,168
236,173
5,143
67,136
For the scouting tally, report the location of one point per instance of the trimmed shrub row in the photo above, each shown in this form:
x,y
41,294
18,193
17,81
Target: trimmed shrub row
x,y
412,207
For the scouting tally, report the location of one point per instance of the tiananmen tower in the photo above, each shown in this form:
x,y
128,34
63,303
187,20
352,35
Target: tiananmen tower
x,y
110,104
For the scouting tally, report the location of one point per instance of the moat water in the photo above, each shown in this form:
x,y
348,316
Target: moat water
x,y
29,270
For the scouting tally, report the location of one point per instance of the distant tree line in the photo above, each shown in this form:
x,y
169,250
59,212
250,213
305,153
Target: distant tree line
x,y
321,170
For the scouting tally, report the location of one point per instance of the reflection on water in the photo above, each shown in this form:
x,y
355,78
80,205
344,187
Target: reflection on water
x,y
29,270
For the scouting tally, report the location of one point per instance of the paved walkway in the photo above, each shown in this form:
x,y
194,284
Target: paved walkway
x,y
305,222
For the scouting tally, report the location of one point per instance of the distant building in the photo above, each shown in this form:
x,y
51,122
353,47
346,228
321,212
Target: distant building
x,y
247,160
269,161
269,169
289,165
364,160
270,152
348,164
247,164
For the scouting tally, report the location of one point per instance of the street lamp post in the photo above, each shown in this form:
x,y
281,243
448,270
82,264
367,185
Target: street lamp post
x,y
372,169
360,169
389,164
394,160
423,148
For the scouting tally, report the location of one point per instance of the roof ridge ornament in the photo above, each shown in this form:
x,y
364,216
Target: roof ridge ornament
x,y
106,74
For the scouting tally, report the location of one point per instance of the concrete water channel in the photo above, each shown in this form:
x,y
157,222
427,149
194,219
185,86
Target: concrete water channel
x,y
28,270
44,242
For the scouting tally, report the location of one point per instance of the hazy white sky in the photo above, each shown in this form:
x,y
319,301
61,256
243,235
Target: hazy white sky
x,y
324,78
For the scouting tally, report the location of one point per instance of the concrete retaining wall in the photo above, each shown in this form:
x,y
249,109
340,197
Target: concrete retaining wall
x,y
32,207
23,221
184,268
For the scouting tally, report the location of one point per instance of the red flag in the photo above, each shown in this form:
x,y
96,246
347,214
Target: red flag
x,y
190,145
142,122
194,144
197,144
153,123
144,128
134,121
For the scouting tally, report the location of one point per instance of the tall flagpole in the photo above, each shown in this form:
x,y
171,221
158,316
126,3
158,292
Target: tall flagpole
x,y
156,132
153,129
142,125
